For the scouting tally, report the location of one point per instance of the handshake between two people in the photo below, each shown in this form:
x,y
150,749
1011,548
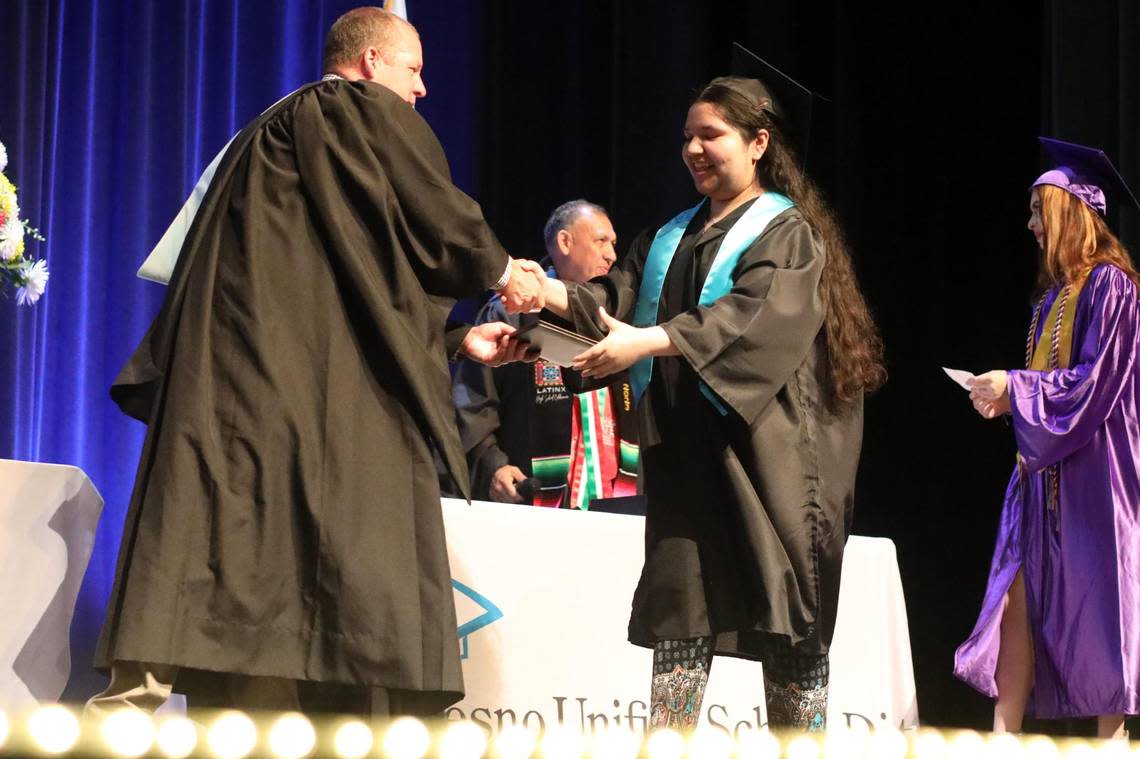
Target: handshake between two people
x,y
524,290
530,289
495,343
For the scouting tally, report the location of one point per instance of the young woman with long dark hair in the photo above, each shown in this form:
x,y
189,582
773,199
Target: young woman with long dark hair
x,y
750,347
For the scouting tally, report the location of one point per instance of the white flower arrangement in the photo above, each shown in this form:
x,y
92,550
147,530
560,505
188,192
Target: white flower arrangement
x,y
28,275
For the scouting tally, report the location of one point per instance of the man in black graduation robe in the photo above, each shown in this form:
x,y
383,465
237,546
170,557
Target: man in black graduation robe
x,y
285,533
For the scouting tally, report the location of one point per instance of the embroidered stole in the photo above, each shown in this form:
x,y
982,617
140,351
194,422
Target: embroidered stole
x,y
602,442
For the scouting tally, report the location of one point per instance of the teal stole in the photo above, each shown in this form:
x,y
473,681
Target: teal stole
x,y
718,283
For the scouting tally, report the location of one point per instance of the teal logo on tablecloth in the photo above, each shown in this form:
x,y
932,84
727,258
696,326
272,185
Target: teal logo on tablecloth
x,y
491,613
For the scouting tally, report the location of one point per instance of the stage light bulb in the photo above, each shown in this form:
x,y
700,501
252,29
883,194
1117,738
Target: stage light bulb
x,y
562,742
1041,747
54,729
408,738
888,743
353,740
128,732
4,728
177,737
1078,750
708,743
463,740
515,742
1004,746
232,736
966,744
929,744
844,742
292,736
758,744
615,742
665,744
803,747
1115,749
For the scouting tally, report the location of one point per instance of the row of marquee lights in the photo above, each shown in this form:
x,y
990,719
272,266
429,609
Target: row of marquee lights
x,y
58,731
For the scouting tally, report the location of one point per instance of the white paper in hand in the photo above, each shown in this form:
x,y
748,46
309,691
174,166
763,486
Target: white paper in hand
x,y
959,376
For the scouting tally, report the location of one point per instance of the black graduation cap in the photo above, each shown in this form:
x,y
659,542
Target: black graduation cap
x,y
1084,172
786,99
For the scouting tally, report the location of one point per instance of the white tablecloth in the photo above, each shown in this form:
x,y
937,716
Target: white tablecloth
x,y
543,598
48,515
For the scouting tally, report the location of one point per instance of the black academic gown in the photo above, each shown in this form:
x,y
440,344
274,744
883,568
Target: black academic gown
x,y
748,512
286,518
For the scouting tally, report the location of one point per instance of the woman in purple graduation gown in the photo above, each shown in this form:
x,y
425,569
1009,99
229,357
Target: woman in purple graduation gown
x,y
1059,631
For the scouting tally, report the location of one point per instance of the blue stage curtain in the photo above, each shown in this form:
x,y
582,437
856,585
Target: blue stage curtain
x,y
110,111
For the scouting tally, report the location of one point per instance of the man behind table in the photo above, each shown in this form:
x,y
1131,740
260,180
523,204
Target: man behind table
x,y
521,426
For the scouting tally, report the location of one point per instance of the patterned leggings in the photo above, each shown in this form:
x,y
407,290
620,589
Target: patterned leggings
x,y
795,685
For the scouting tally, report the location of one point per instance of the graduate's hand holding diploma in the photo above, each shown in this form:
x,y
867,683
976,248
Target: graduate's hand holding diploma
x,y
989,393
622,347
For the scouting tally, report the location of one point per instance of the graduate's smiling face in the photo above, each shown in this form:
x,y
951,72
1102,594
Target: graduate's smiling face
x,y
399,67
1036,226
721,161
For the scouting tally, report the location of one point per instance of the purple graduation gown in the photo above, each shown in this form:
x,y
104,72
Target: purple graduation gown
x,y
1082,568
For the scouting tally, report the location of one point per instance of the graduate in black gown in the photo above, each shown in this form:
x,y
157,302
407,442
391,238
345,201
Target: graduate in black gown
x,y
284,546
750,347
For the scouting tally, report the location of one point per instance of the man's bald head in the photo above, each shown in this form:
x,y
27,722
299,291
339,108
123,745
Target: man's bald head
x,y
372,44
357,29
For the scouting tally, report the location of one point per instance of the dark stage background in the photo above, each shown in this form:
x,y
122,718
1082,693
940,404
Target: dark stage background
x,y
112,108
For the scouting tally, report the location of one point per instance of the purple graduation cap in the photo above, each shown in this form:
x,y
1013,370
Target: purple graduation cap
x,y
778,94
1083,172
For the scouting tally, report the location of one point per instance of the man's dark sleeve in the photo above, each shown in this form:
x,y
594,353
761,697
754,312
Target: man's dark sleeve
x,y
454,335
476,398
367,150
475,390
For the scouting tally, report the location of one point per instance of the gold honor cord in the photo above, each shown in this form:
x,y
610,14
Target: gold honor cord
x,y
1061,316
1046,355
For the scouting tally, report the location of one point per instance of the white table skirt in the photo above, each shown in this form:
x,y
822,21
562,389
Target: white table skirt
x,y
543,597
48,516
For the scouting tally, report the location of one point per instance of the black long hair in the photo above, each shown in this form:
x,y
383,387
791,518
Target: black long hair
x,y
854,346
